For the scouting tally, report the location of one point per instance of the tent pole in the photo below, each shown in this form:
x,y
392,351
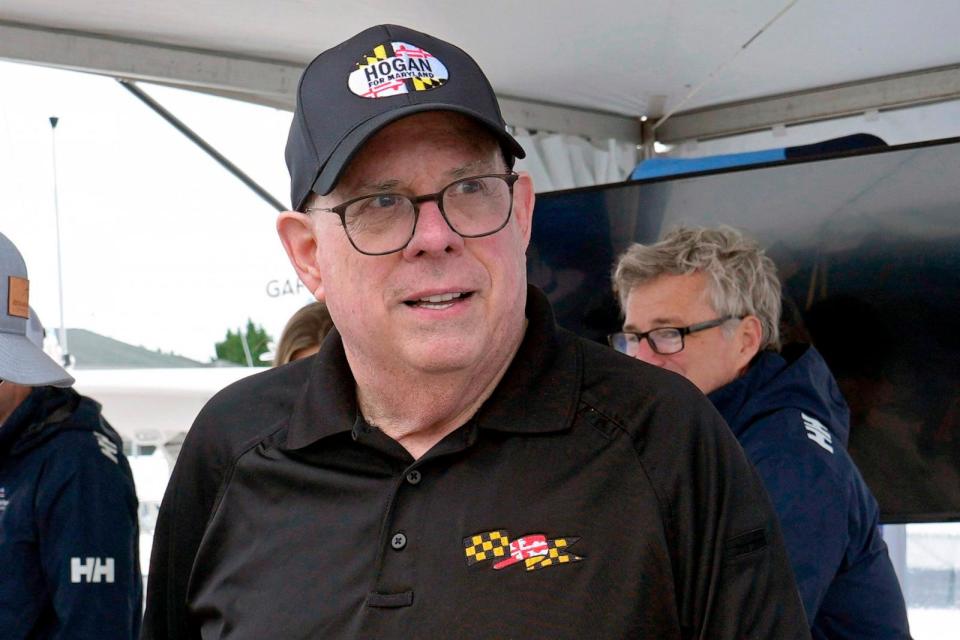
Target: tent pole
x,y
203,144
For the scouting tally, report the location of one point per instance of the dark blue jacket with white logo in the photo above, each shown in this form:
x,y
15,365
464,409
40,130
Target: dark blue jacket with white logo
x,y
793,423
69,562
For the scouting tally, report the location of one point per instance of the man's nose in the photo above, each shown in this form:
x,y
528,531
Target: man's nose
x,y
432,235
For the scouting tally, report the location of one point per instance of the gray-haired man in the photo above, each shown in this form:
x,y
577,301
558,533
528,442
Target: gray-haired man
x,y
705,303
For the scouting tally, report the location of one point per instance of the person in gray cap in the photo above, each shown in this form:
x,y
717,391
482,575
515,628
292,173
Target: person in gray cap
x,y
450,464
68,509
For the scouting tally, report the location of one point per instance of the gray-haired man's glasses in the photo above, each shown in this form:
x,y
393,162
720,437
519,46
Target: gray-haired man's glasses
x,y
663,340
385,222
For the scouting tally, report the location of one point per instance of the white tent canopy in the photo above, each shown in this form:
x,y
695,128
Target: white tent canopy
x,y
560,66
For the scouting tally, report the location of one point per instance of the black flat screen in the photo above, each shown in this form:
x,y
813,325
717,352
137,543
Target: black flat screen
x,y
868,249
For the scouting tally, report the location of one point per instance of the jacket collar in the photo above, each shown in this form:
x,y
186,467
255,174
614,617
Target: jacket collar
x,y
19,419
730,399
39,416
797,378
539,393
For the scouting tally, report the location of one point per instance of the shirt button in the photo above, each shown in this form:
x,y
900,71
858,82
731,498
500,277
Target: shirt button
x,y
399,541
414,477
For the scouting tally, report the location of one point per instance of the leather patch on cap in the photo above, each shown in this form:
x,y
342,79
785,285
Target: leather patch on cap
x,y
18,297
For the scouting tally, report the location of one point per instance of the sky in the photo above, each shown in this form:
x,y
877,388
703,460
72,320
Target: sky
x,y
161,247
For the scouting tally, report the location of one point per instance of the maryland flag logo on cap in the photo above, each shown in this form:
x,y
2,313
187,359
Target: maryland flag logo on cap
x,y
395,68
535,551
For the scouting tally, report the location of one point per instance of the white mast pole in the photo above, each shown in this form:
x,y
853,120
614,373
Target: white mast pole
x,y
56,211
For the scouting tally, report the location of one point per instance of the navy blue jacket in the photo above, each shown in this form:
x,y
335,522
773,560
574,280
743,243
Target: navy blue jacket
x,y
69,561
793,424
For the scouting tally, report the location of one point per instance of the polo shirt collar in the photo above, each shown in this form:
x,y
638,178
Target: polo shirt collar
x,y
328,402
539,393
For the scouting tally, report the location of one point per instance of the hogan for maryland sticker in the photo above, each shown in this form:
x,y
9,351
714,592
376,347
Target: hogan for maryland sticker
x,y
395,68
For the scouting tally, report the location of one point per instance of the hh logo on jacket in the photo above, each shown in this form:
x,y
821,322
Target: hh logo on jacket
x,y
817,432
91,570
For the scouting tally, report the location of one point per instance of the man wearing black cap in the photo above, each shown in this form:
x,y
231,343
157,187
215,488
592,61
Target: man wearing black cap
x,y
69,556
451,464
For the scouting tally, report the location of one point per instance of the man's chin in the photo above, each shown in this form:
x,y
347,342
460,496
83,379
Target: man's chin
x,y
438,354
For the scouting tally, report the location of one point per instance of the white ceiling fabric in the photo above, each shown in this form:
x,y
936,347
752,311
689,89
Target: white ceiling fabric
x,y
616,56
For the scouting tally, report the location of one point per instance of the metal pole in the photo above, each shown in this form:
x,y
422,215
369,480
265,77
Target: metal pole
x,y
648,135
65,351
720,68
895,535
246,348
203,144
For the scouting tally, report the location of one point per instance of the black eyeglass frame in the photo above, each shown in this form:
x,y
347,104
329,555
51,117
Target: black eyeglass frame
x,y
341,210
683,331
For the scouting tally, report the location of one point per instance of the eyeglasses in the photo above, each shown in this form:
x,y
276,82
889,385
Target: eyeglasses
x,y
385,222
663,340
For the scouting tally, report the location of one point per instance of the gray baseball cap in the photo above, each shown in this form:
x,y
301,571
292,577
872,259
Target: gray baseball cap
x,y
22,361
380,75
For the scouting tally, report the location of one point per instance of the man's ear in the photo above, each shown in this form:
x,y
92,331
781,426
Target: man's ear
x,y
296,233
749,337
523,200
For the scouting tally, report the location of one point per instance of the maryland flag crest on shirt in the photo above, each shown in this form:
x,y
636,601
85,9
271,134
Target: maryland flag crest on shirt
x,y
535,551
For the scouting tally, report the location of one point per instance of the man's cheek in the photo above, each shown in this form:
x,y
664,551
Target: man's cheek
x,y
676,367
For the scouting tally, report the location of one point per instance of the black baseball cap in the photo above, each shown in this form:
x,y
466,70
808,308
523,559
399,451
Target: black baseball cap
x,y
380,75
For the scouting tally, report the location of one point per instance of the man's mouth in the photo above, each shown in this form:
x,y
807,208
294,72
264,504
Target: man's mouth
x,y
439,301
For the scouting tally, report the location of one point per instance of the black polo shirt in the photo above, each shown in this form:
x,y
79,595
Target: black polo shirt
x,y
591,496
